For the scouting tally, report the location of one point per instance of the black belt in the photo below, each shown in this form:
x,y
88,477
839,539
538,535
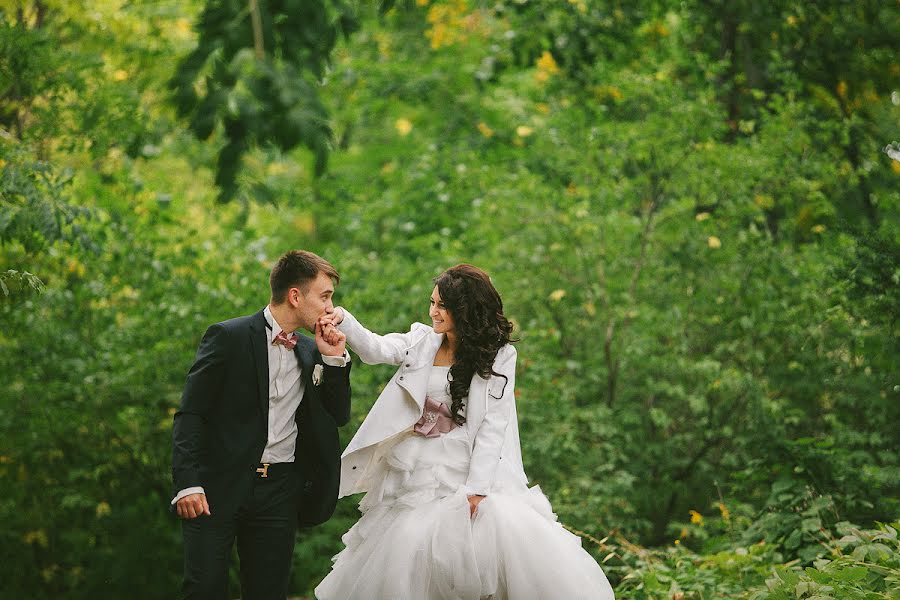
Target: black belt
x,y
266,470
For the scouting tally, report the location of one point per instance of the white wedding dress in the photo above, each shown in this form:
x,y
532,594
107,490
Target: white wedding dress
x,y
416,541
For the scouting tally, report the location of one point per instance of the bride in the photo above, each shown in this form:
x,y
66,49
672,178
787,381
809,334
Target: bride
x,y
447,512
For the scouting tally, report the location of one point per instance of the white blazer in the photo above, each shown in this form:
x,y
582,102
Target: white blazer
x,y
490,410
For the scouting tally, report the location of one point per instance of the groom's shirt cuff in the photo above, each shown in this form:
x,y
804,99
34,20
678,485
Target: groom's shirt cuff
x,y
187,492
337,361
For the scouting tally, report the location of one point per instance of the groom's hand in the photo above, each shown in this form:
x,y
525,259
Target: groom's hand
x,y
329,340
192,506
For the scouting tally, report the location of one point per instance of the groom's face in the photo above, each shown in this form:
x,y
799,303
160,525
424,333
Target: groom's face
x,y
316,301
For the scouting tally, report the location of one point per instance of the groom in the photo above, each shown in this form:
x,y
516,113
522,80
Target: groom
x,y
255,442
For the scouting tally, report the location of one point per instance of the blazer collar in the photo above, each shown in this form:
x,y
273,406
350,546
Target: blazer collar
x,y
422,352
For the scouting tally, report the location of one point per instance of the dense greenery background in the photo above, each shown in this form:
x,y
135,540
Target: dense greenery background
x,y
686,206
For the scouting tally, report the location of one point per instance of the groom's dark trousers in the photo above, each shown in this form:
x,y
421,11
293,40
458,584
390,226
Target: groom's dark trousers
x,y
219,435
264,524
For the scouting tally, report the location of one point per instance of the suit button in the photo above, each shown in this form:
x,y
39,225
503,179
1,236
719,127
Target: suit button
x,y
401,378
407,364
354,468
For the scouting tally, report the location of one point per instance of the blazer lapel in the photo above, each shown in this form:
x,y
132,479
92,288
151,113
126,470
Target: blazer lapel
x,y
259,344
414,378
304,352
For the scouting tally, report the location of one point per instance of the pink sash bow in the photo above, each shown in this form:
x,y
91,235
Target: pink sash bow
x,y
436,419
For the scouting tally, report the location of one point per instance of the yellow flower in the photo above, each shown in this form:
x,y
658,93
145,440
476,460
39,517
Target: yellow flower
x,y
543,107
818,228
76,268
696,518
792,20
547,63
103,509
183,26
38,537
524,131
557,295
677,542
276,168
724,510
764,201
449,23
608,92
403,126
895,166
702,216
546,66
842,89
714,242
120,75
421,2
485,130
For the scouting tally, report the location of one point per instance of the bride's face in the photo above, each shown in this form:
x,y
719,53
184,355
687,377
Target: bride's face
x,y
440,316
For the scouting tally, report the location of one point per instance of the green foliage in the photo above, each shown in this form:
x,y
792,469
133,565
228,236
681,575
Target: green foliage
x,y
30,68
260,67
863,564
872,276
35,206
23,282
695,235
860,564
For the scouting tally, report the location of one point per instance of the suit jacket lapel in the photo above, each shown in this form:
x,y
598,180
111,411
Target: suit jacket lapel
x,y
304,352
259,343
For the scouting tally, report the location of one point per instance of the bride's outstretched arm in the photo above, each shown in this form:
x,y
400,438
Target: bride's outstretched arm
x,y
492,432
373,348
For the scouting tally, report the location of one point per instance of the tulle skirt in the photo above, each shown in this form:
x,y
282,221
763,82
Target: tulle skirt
x,y
416,540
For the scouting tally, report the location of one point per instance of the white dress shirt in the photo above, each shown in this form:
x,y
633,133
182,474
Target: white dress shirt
x,y
286,387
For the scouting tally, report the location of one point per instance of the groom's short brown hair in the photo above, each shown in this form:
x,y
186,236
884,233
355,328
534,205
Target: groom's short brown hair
x,y
298,268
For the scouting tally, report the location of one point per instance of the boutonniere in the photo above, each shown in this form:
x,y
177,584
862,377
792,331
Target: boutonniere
x,y
317,374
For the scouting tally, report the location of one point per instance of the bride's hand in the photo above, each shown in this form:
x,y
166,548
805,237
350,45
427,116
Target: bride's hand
x,y
327,323
332,318
474,501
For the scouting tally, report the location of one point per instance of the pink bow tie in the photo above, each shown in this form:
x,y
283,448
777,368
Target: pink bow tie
x,y
288,341
436,419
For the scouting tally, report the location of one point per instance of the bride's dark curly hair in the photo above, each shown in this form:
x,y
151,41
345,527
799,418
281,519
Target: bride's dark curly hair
x,y
481,329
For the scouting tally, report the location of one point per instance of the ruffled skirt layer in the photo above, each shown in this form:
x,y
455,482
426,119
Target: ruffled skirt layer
x,y
416,540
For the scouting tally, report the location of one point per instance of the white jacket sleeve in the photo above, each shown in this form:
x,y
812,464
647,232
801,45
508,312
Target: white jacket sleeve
x,y
492,432
374,349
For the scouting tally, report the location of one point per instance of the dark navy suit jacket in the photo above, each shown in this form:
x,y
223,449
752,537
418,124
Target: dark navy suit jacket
x,y
220,429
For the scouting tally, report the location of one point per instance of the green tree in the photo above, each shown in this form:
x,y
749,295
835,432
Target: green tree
x,y
261,64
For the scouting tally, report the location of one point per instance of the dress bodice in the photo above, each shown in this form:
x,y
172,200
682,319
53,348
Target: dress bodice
x,y
438,385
